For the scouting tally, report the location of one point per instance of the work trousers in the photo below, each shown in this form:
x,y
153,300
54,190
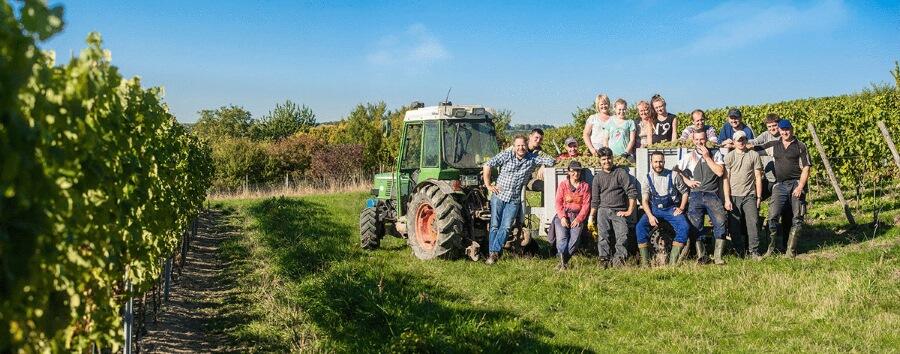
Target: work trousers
x,y
743,223
678,222
701,204
502,216
610,225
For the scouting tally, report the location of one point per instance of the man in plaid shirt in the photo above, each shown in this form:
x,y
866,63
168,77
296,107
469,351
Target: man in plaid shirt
x,y
515,170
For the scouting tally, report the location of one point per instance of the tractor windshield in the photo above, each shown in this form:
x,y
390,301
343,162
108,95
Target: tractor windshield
x,y
469,144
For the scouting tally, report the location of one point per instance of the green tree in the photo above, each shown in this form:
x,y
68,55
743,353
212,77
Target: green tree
x,y
365,126
283,121
501,124
232,121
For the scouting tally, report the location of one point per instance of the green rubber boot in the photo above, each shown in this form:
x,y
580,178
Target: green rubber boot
x,y
676,251
645,254
700,247
792,241
717,253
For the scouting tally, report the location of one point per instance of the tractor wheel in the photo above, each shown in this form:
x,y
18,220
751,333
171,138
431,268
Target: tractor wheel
x,y
435,222
370,229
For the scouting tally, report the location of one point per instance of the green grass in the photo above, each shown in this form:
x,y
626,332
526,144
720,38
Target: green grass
x,y
304,284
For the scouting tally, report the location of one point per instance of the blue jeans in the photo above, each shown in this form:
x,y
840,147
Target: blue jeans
x,y
678,222
567,237
701,204
502,216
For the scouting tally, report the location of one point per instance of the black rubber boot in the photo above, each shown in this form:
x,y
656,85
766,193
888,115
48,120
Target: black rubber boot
x,y
773,244
717,254
793,237
562,262
676,251
645,254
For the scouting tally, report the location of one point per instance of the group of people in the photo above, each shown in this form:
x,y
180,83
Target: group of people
x,y
727,185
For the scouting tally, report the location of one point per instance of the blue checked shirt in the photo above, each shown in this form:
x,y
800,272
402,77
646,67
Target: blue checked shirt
x,y
515,172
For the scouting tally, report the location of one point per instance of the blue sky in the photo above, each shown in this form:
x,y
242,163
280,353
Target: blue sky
x,y
538,59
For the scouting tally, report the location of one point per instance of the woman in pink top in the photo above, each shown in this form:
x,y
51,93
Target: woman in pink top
x,y
573,203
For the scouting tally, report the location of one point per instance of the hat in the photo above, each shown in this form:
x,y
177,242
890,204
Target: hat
x,y
738,135
574,166
734,112
571,140
785,124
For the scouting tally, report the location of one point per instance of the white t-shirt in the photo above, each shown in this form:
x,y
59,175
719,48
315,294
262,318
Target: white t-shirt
x,y
599,135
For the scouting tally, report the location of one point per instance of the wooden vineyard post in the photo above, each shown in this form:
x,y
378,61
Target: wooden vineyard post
x,y
890,142
834,183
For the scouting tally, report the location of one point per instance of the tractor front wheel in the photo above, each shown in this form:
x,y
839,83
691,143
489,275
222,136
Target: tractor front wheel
x,y
435,222
371,230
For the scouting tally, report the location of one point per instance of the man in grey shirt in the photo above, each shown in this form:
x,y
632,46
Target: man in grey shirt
x,y
613,199
743,195
768,162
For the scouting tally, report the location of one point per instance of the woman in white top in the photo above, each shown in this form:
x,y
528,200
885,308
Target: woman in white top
x,y
645,124
595,135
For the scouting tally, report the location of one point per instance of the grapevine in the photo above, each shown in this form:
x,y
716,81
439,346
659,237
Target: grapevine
x,y
98,181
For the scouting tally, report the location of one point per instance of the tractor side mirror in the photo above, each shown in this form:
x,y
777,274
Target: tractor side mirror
x,y
386,128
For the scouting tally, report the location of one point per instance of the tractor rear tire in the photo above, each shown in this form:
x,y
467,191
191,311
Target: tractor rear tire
x,y
371,231
436,224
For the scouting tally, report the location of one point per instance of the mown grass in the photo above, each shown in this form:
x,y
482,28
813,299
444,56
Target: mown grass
x,y
305,284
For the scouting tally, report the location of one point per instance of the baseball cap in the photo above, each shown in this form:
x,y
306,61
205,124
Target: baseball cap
x,y
785,124
574,165
734,112
738,135
571,140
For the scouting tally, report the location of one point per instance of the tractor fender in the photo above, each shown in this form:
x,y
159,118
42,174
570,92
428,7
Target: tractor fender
x,y
444,186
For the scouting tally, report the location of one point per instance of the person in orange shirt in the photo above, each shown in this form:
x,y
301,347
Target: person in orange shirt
x,y
573,202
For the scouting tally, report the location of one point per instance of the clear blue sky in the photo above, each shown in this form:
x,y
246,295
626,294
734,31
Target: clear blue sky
x,y
539,60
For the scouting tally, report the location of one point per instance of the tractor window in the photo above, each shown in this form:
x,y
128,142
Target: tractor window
x,y
432,151
411,152
469,144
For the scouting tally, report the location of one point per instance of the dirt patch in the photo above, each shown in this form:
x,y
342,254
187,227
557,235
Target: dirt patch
x,y
195,299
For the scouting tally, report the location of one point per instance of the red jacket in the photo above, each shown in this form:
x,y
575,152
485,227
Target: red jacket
x,y
578,201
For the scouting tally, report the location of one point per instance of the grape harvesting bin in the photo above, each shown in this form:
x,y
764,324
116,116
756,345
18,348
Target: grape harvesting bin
x,y
553,176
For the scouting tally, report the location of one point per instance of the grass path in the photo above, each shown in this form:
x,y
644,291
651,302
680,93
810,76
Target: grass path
x,y
303,284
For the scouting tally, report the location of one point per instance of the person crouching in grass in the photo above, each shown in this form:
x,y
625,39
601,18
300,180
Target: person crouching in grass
x,y
612,201
573,202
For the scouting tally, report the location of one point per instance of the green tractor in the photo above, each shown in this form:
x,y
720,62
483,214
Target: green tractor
x,y
436,198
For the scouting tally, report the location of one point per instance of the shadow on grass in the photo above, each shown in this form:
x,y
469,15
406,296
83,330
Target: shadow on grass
x,y
364,304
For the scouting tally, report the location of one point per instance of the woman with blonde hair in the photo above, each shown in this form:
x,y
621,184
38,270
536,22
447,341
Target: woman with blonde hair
x,y
645,124
665,126
621,131
595,135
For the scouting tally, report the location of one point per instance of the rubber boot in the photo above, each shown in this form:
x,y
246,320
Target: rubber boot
x,y
700,246
562,262
645,254
773,241
793,236
717,254
676,251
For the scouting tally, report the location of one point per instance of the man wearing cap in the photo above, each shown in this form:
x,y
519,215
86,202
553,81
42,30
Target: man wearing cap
x,y
735,123
571,149
663,197
743,195
612,202
792,166
771,134
698,123
702,171
573,202
515,168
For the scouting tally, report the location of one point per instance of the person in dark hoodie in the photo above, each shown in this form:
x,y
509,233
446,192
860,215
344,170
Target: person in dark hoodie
x,y
613,200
